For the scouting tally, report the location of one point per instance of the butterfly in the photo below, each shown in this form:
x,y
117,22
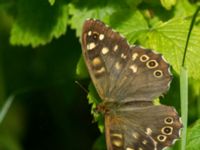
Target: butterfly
x,y
128,78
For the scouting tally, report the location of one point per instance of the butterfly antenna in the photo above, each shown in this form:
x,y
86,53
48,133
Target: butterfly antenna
x,y
82,87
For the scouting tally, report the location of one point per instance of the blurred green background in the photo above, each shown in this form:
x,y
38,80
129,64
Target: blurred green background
x,y
40,60
49,111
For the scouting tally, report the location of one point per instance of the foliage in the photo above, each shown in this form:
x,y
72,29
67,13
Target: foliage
x,y
193,138
41,33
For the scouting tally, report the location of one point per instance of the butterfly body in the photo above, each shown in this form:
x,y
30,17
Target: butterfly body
x,y
127,79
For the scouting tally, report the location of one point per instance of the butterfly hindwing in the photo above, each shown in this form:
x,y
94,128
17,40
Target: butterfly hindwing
x,y
142,128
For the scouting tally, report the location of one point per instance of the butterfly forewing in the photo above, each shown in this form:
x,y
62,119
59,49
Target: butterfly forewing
x,y
144,77
127,79
120,71
99,44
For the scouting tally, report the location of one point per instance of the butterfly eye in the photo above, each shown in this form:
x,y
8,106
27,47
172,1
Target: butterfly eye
x,y
161,138
158,73
144,58
168,120
152,64
167,130
95,35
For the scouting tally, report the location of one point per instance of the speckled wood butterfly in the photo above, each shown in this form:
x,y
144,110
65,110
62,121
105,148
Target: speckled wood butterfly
x,y
127,79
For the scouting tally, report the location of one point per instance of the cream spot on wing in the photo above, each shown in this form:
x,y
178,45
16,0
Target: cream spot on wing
x,y
117,143
101,36
117,135
133,68
115,48
123,56
148,131
140,148
105,50
89,33
128,148
91,46
134,56
135,135
144,142
96,61
101,70
117,65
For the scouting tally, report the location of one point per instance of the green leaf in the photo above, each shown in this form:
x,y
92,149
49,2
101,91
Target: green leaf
x,y
103,10
81,13
132,26
94,100
194,105
9,142
81,69
100,143
37,22
184,8
194,100
193,137
52,2
133,3
169,38
168,3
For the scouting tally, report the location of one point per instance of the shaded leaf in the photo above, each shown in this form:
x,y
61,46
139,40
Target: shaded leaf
x,y
133,3
100,143
81,69
8,142
94,99
132,26
38,24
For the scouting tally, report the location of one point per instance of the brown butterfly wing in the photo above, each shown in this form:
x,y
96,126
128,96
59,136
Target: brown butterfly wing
x,y
98,45
129,75
142,128
121,72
